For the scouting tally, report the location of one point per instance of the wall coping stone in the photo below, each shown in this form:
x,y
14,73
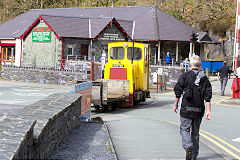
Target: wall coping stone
x,y
25,130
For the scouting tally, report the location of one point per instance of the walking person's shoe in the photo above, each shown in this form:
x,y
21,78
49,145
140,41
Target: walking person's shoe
x,y
189,153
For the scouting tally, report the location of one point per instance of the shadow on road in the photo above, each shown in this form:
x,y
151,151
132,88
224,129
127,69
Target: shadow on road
x,y
163,104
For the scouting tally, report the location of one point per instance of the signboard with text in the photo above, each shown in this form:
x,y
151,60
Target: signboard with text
x,y
41,34
111,37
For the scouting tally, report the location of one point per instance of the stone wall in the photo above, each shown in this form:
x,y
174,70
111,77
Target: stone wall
x,y
43,75
171,74
110,34
41,54
36,130
75,71
69,77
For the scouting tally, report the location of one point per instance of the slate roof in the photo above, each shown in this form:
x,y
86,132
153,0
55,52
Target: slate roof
x,y
68,26
151,24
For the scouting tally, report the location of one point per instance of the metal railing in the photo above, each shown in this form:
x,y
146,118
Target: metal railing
x,y
162,62
77,58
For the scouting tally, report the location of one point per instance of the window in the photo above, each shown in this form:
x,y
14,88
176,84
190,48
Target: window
x,y
145,54
8,54
137,53
117,53
70,51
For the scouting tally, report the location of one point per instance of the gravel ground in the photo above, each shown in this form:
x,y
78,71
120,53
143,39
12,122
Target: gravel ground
x,y
87,141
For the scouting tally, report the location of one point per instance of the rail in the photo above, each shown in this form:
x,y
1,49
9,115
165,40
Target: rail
x,y
173,62
78,58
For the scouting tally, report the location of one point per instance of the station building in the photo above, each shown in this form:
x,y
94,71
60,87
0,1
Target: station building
x,y
48,37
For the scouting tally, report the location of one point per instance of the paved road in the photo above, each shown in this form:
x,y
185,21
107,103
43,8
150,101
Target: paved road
x,y
15,95
151,131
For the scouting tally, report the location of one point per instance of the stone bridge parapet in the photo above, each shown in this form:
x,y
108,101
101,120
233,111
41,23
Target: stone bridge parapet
x,y
36,130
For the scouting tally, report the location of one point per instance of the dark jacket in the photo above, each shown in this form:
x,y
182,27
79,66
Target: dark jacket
x,y
224,71
195,88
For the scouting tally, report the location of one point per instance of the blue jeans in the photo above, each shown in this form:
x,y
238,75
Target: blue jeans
x,y
223,84
189,130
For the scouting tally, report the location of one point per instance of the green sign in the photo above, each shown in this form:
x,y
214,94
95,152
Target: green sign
x,y
41,34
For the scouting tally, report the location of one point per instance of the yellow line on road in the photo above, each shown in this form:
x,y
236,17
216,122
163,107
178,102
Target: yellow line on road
x,y
220,146
25,87
228,105
221,99
202,134
170,93
124,116
224,142
213,141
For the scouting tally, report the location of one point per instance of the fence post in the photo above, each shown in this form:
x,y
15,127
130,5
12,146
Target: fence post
x,y
92,71
0,69
157,82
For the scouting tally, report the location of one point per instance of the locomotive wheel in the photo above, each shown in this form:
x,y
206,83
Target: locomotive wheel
x,y
114,106
143,98
101,108
97,107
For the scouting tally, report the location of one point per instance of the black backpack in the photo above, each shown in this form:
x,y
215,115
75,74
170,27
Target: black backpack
x,y
192,101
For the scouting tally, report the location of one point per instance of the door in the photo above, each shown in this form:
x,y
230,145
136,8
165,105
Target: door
x,y
84,50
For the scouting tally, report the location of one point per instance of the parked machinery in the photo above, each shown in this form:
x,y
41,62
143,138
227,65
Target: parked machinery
x,y
126,76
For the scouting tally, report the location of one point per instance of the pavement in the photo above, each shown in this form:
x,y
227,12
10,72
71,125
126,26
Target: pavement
x,y
15,95
154,135
216,89
150,131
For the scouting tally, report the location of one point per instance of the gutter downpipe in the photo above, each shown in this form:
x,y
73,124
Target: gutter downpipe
x,y
62,48
90,51
133,40
21,52
156,27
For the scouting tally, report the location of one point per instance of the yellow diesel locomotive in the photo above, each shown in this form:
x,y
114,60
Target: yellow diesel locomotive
x,y
126,76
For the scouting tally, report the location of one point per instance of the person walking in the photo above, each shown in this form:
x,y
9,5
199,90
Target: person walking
x,y
224,72
193,87
186,65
